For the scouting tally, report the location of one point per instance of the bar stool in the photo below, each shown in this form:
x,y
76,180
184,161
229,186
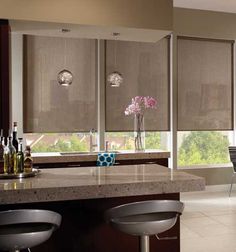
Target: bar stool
x,y
232,155
145,218
26,228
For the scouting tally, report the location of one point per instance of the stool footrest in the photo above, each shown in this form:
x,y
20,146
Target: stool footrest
x,y
166,238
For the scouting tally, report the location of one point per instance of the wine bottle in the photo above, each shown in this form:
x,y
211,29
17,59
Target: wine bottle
x,y
20,157
9,157
2,146
14,140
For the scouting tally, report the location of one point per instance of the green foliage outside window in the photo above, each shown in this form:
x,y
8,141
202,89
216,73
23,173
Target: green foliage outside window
x,y
153,140
72,144
203,147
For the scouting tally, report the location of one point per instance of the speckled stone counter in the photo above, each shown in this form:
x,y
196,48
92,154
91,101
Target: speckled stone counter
x,y
97,182
41,158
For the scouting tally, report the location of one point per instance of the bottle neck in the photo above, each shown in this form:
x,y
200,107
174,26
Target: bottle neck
x,y
2,141
9,141
14,132
20,147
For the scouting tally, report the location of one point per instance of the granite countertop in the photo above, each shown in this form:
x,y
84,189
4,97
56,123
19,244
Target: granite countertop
x,y
98,182
42,158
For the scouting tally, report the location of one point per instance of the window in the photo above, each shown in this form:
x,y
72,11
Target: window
x,y
205,101
145,68
203,147
49,107
205,84
53,115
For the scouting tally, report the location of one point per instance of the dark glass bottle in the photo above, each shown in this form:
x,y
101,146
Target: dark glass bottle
x,y
20,157
2,146
28,161
14,140
9,157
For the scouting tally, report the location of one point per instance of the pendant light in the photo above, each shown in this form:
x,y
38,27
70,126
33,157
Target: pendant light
x,y
65,77
115,79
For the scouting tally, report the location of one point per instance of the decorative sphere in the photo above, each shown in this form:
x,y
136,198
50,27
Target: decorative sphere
x,y
65,78
115,79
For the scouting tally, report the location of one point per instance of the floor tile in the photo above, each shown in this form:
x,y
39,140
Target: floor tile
x,y
208,223
227,219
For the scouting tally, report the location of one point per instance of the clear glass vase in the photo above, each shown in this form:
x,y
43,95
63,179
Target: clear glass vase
x,y
139,132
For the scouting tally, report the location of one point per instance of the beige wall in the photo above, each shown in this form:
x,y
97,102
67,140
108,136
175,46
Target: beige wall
x,y
207,24
213,176
151,14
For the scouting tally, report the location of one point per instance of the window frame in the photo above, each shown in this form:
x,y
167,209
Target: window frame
x,y
175,99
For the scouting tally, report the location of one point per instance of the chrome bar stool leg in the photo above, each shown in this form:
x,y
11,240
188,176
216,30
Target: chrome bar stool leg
x,y
144,243
231,186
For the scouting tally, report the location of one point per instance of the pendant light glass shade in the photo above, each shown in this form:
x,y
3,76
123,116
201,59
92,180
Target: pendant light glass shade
x,y
65,78
115,79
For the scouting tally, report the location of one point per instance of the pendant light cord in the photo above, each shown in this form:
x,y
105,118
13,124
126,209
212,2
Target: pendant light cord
x,y
115,34
64,53
115,52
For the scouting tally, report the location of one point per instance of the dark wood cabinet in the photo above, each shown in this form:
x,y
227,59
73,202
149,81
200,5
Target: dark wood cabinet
x,y
160,161
4,76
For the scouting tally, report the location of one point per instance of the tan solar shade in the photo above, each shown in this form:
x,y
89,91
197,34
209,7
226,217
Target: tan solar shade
x,y
49,107
205,84
145,68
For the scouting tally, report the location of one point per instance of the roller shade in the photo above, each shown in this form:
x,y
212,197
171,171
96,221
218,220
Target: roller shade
x,y
205,84
49,107
145,68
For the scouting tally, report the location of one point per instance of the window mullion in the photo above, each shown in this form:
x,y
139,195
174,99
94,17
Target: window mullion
x,y
101,93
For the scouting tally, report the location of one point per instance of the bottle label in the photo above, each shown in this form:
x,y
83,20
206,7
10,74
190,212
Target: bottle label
x,y
28,164
9,163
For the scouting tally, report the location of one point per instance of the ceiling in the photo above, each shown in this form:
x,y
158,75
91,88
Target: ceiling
x,y
214,5
106,32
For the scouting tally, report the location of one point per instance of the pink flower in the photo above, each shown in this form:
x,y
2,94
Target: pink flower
x,y
133,108
138,99
150,102
139,103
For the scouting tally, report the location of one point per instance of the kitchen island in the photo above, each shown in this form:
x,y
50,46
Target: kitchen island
x,y
82,195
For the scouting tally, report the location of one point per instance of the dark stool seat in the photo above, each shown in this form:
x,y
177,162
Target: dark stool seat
x,y
145,218
26,228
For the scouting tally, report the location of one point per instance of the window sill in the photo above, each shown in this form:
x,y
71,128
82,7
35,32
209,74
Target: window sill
x,y
211,166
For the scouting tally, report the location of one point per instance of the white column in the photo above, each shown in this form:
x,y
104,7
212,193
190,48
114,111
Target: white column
x,y
16,104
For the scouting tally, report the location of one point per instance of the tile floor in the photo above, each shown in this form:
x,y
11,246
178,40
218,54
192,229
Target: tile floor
x,y
209,222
